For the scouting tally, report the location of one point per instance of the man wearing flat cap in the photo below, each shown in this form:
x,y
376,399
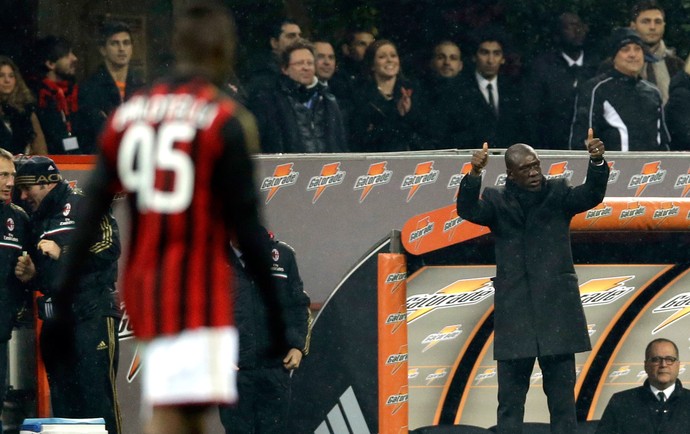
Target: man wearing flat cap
x,y
625,110
78,339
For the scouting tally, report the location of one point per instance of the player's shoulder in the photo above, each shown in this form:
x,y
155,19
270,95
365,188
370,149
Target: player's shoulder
x,y
18,211
284,249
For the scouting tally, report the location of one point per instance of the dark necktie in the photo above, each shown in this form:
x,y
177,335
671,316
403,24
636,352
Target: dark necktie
x,y
662,396
575,73
490,91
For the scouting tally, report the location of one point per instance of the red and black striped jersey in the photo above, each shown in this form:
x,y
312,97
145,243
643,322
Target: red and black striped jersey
x,y
179,150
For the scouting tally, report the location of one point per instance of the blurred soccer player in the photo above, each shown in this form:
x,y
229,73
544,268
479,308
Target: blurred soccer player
x,y
180,151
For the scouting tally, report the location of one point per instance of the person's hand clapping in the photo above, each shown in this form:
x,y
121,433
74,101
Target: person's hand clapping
x,y
405,101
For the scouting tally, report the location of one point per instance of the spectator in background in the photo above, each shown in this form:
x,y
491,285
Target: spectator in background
x,y
353,48
113,82
58,104
486,105
442,77
660,405
388,113
552,82
20,132
264,68
326,65
678,110
263,379
625,110
648,19
298,114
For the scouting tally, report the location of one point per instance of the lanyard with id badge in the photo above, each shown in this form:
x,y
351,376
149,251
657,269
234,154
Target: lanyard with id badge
x,y
70,142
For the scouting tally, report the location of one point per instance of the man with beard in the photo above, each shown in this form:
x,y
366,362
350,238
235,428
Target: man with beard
x,y
57,94
553,81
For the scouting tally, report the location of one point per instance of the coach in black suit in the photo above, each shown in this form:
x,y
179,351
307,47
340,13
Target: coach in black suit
x,y
661,405
537,308
485,105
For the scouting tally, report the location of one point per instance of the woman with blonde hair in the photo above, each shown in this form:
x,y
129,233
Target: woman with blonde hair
x,y
20,131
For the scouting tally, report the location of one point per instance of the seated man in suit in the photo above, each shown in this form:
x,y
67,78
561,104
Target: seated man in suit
x,y
660,405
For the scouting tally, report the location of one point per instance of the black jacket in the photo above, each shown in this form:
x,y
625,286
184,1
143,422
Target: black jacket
x,y
475,122
294,119
257,346
98,98
678,112
623,111
56,219
376,124
20,133
15,234
56,127
538,311
638,411
549,98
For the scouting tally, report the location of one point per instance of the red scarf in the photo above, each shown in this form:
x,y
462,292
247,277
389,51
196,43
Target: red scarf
x,y
62,92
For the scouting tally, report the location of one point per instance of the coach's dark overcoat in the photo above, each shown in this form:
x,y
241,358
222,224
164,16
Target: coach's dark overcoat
x,y
537,303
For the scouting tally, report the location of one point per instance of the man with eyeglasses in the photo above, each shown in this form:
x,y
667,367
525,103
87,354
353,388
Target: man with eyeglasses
x,y
660,405
300,114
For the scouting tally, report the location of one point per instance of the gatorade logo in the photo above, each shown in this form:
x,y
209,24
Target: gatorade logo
x,y
330,175
683,181
376,175
679,305
559,171
651,174
424,174
283,176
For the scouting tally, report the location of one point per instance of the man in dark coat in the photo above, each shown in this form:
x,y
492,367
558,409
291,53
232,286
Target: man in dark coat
x,y
485,105
298,114
538,313
660,405
113,83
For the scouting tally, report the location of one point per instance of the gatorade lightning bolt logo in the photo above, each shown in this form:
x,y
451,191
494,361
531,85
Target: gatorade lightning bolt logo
x,y
398,359
447,333
683,181
679,305
454,181
437,374
618,373
424,227
614,174
633,210
596,292
396,279
488,373
283,176
667,210
330,175
424,174
602,210
376,175
397,319
651,173
449,226
412,373
398,400
559,171
464,292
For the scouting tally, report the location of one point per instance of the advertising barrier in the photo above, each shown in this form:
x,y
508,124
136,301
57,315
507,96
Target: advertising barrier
x,y
337,210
